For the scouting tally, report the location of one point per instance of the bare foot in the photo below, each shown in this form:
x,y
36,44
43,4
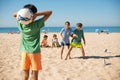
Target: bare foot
x,y
84,57
70,58
65,58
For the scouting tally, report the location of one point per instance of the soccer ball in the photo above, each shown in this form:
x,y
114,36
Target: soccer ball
x,y
24,16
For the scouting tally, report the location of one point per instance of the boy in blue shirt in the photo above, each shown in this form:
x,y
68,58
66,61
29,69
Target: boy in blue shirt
x,y
65,34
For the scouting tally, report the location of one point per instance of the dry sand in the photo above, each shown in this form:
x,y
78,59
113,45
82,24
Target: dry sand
x,y
93,68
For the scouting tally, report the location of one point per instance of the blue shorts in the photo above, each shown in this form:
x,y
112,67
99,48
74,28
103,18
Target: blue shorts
x,y
65,44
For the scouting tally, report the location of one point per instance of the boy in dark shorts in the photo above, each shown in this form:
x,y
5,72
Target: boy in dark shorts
x,y
65,34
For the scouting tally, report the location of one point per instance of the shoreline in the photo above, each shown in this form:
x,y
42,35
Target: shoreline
x,y
54,32
58,29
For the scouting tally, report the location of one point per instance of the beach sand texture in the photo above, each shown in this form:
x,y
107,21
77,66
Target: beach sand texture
x,y
92,68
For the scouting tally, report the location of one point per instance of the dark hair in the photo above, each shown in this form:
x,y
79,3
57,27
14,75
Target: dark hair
x,y
45,36
79,24
31,7
54,35
67,22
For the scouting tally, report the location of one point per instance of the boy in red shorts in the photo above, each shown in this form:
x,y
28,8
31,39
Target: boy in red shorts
x,y
30,43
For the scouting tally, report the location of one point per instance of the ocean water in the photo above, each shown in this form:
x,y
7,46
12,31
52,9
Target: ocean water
x,y
111,29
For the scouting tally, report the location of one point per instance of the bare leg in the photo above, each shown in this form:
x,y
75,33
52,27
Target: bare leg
x,y
68,46
68,50
34,75
68,54
25,74
62,51
83,52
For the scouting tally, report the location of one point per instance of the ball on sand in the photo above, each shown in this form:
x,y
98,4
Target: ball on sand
x,y
24,16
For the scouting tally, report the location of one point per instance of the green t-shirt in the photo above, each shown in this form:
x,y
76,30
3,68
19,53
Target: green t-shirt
x,y
79,34
30,36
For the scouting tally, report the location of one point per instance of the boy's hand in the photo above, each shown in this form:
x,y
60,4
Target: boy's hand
x,y
15,14
68,33
62,38
34,17
84,43
74,35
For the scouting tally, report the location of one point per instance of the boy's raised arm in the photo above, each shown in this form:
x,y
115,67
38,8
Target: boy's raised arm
x,y
45,14
15,14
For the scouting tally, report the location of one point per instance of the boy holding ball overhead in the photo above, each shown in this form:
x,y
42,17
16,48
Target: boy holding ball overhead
x,y
30,43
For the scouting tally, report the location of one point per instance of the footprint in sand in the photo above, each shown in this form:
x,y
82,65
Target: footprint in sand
x,y
68,79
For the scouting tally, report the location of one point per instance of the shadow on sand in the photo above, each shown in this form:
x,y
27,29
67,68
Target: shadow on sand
x,y
97,57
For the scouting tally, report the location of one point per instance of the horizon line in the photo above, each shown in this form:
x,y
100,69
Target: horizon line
x,y
57,26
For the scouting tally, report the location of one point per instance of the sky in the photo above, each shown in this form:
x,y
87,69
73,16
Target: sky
x,y
88,12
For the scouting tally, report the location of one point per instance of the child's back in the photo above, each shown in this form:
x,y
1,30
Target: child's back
x,y
30,39
30,43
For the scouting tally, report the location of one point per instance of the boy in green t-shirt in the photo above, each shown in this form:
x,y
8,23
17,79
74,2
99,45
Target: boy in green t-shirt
x,y
30,43
78,34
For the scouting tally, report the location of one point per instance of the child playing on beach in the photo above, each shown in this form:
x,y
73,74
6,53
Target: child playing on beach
x,y
30,43
55,42
44,41
65,33
78,34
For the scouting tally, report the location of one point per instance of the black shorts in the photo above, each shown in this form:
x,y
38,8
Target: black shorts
x,y
65,44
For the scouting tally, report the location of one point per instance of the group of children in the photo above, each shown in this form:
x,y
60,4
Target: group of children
x,y
76,35
30,41
55,42
65,33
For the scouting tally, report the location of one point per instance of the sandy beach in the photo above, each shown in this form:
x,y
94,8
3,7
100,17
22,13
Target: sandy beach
x,y
99,65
